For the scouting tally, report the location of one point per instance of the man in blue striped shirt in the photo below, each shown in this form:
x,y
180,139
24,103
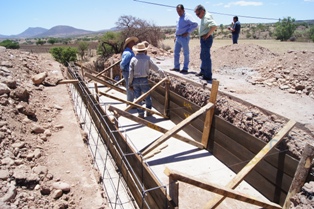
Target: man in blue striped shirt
x,y
185,26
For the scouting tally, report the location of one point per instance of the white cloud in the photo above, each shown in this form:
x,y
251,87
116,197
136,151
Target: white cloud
x,y
246,3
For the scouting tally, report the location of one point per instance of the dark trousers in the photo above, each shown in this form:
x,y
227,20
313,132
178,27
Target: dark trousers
x,y
206,65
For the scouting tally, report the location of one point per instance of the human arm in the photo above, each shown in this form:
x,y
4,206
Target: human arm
x,y
210,32
125,60
131,73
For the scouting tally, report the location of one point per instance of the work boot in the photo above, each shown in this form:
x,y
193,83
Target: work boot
x,y
141,116
148,114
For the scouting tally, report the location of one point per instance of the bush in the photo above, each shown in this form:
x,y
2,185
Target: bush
x,y
9,44
64,55
285,28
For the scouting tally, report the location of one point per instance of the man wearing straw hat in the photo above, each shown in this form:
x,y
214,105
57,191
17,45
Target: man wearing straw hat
x,y
138,77
125,63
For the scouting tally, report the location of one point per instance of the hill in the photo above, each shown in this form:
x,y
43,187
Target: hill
x,y
60,31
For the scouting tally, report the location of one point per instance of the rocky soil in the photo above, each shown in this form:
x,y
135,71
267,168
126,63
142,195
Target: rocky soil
x,y
39,138
35,145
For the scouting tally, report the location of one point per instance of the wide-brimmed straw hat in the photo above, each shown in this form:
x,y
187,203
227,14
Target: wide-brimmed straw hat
x,y
129,39
140,47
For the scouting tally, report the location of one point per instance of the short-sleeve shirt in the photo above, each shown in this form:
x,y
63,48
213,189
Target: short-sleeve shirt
x,y
206,23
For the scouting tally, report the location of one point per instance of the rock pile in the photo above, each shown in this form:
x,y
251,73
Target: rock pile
x,y
26,123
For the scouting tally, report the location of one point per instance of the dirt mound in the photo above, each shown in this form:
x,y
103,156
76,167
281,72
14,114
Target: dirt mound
x,y
241,56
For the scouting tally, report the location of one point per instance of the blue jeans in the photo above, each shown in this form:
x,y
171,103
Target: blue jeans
x,y
182,42
235,37
206,65
129,94
141,86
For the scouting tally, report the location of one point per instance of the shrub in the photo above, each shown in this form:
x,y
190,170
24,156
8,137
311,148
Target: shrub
x,y
9,44
64,55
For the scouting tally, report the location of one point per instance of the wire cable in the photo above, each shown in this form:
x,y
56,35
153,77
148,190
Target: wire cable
x,y
169,6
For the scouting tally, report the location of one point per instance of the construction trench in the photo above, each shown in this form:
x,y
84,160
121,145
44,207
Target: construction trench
x,y
183,155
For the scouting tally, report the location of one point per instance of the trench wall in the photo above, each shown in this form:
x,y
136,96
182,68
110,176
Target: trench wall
x,y
235,148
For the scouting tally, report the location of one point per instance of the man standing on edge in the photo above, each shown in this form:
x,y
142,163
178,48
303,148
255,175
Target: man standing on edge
x,y
125,64
235,29
185,26
206,30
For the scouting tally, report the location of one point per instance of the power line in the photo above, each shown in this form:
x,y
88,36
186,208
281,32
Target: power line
x,y
164,5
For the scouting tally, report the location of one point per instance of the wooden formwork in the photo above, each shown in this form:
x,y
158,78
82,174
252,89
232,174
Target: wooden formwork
x,y
126,158
271,177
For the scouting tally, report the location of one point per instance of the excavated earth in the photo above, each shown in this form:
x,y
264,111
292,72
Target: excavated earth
x,y
34,172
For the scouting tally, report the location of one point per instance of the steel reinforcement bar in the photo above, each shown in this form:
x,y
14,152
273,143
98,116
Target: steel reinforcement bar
x,y
141,183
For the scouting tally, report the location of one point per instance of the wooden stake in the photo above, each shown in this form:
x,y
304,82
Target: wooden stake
x,y
67,81
301,173
131,103
108,68
210,113
177,176
104,83
167,101
177,128
154,126
96,92
257,158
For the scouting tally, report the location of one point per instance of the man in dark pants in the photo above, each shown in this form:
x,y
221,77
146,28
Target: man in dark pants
x,y
206,30
235,29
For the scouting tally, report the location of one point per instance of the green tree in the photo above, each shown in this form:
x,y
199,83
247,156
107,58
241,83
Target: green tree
x,y
284,29
82,47
312,33
64,55
110,43
9,44
52,41
40,42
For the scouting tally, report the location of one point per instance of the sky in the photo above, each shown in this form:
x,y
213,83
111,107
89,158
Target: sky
x,y
18,15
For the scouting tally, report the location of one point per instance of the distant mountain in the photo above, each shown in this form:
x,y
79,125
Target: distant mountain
x,y
62,31
31,32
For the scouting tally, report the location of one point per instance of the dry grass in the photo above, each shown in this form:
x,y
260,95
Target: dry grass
x,y
273,45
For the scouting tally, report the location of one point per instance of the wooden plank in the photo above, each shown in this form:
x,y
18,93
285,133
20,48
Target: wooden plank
x,y
177,128
301,173
167,99
227,192
210,113
174,190
240,176
256,180
265,169
254,145
155,127
108,68
131,103
67,81
105,83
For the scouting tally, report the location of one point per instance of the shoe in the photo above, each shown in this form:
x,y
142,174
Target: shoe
x,y
207,79
148,114
199,74
175,69
184,71
141,116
